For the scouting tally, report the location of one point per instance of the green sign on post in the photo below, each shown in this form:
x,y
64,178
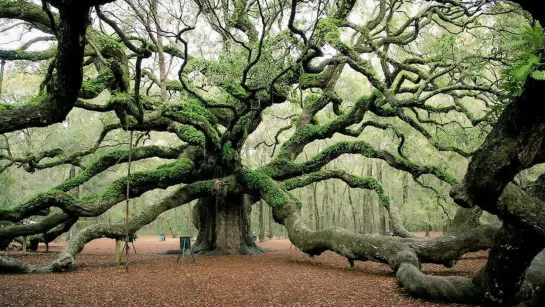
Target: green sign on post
x,y
185,244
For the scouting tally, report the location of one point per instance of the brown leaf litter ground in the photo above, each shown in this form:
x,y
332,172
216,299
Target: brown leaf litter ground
x,y
283,277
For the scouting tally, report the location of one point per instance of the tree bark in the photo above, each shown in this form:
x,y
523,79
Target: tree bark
x,y
510,256
224,226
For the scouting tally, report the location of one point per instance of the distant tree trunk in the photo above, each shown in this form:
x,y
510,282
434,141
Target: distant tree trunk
x,y
2,65
428,227
339,208
383,221
271,223
383,217
77,193
164,226
160,53
368,215
189,219
325,199
354,213
405,196
316,210
333,203
261,222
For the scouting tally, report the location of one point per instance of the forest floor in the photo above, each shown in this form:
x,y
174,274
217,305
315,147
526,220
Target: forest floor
x,y
282,277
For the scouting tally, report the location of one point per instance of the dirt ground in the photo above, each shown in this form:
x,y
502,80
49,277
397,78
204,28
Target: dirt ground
x,y
282,277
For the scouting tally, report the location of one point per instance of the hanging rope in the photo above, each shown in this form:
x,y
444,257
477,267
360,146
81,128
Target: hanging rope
x,y
127,208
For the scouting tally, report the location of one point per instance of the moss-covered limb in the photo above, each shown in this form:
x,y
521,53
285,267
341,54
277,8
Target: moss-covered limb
x,y
193,113
189,134
29,162
282,169
63,91
37,113
116,157
194,131
306,132
93,87
140,182
392,250
28,12
66,259
509,258
43,226
12,55
398,112
38,205
354,182
57,196
82,104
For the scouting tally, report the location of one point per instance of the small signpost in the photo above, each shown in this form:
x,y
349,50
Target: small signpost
x,y
129,239
185,244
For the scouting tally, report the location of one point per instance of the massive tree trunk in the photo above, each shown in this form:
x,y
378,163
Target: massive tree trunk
x,y
510,256
224,226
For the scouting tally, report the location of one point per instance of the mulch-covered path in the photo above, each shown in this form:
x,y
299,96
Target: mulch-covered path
x,y
282,277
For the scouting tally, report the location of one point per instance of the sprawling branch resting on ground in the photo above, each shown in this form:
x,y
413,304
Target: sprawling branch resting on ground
x,y
66,259
403,255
